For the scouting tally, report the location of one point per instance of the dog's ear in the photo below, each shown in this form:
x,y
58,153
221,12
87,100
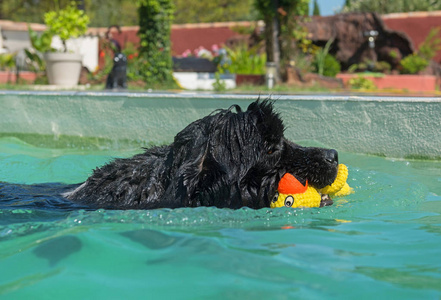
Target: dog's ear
x,y
264,111
190,162
267,120
262,106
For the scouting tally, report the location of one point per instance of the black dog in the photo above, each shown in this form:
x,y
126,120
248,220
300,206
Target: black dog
x,y
225,159
117,77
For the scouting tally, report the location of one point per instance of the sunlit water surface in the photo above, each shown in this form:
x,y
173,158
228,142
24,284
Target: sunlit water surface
x,y
382,242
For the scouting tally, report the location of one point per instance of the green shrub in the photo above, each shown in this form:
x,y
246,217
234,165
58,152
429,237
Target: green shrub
x,y
155,60
244,61
7,61
361,82
331,66
431,44
324,63
412,64
320,56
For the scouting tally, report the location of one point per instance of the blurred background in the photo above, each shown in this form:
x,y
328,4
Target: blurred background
x,y
222,45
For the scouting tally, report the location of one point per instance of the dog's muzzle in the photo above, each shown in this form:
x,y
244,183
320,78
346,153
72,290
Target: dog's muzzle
x,y
317,165
331,157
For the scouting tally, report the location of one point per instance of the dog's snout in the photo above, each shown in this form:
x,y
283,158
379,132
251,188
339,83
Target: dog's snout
x,y
331,156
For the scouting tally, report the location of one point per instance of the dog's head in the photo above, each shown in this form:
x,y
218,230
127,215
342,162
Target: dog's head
x,y
232,159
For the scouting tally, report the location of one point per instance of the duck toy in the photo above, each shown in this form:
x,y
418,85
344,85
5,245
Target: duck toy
x,y
292,193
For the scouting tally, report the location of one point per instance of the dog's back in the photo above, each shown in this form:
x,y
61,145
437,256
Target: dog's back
x,y
129,183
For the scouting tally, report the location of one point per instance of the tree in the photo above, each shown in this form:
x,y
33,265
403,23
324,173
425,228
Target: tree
x,y
280,17
28,10
316,9
102,13
387,6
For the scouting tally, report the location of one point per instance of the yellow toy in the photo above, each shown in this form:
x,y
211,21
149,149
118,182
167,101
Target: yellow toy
x,y
292,193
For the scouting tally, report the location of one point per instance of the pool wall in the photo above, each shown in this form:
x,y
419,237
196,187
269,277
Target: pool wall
x,y
389,126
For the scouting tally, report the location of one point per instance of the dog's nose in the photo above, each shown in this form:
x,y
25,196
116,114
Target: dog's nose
x,y
331,156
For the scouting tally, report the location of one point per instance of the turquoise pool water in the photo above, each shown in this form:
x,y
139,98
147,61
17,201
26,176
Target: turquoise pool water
x,y
382,242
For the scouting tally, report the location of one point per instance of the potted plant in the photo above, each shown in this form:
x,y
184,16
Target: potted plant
x,y
247,64
64,67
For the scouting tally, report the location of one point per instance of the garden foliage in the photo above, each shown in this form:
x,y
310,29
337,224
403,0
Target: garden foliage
x,y
417,62
431,44
361,83
7,61
155,61
331,66
281,18
387,6
242,60
412,64
324,63
40,43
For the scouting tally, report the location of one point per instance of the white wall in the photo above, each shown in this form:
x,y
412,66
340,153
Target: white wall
x,y
17,40
203,81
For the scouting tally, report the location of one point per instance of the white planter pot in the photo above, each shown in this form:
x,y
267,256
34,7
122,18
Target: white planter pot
x,y
63,68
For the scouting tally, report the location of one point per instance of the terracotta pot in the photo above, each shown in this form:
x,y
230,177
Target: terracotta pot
x,y
63,68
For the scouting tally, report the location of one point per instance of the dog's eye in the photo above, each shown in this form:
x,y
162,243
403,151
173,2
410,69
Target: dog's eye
x,y
272,150
276,196
289,201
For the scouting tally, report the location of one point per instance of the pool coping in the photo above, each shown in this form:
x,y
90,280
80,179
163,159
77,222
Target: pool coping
x,y
210,95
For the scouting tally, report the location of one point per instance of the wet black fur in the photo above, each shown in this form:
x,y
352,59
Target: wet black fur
x,y
227,159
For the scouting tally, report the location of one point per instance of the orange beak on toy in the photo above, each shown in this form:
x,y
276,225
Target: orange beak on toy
x,y
292,193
